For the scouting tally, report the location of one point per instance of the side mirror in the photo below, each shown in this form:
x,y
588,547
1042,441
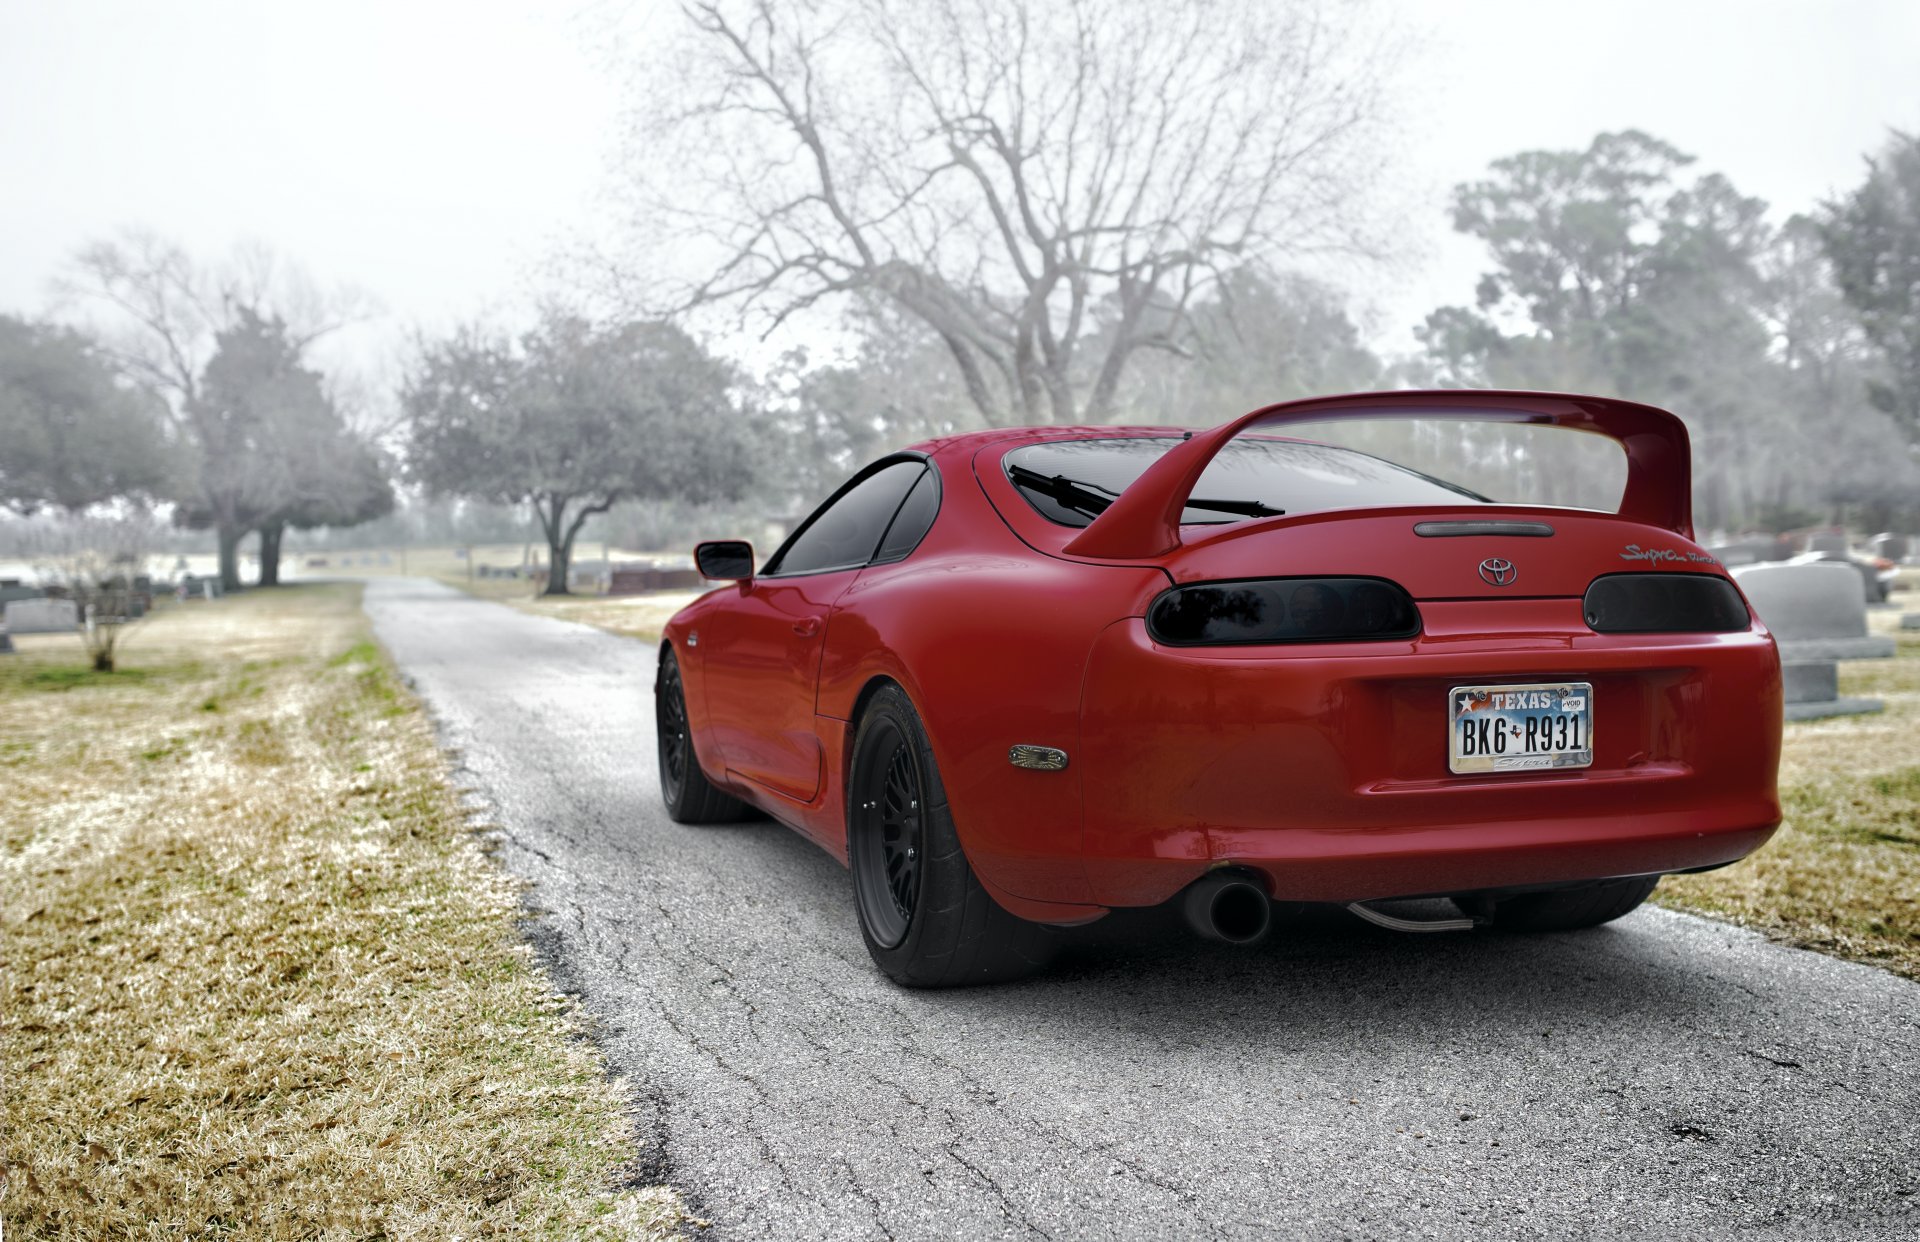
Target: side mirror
x,y
725,560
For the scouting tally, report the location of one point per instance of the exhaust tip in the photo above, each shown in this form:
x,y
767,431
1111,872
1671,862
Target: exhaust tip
x,y
1229,908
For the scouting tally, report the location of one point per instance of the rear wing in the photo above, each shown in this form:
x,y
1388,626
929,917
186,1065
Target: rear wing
x,y
1145,520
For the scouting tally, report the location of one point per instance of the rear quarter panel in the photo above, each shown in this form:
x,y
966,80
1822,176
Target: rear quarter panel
x,y
990,640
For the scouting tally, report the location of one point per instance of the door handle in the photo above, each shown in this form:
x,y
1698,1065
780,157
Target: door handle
x,y
807,627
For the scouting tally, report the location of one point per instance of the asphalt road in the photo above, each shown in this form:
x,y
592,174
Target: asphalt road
x,y
1665,1075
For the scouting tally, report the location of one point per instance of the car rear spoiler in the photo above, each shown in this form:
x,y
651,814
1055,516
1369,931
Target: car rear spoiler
x,y
1145,520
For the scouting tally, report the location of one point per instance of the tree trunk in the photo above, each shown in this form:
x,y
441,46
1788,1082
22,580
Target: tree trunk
x,y
230,535
551,511
270,553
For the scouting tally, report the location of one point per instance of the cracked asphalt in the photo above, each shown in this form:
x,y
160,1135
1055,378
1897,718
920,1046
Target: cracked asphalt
x,y
1661,1076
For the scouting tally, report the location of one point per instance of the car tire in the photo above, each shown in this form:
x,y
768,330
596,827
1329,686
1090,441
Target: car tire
x,y
1563,909
690,797
925,918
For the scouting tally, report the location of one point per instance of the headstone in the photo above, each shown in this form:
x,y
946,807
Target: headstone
x,y
1827,543
1818,616
1910,620
1815,610
42,616
1891,546
14,591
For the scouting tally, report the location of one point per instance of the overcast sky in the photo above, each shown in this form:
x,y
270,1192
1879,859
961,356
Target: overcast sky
x,y
432,152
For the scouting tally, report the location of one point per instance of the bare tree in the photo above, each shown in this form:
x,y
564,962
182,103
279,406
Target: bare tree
x,y
169,317
1048,187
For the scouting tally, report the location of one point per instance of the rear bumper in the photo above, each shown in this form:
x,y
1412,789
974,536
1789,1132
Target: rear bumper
x,y
1324,768
1304,864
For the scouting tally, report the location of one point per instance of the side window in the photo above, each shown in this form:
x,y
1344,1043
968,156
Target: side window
x,y
843,533
915,518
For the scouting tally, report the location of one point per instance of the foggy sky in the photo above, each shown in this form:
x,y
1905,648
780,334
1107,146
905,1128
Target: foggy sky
x,y
432,152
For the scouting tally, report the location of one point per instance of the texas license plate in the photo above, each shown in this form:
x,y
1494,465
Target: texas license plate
x,y
1520,728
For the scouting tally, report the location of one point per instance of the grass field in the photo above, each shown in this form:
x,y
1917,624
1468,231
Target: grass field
x,y
1843,873
260,978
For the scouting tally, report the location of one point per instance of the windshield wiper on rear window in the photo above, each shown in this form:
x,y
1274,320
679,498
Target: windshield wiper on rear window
x,y
1092,499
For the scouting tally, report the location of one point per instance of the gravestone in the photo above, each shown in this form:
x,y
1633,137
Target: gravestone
x,y
1817,616
14,590
42,616
1893,547
1827,544
1910,620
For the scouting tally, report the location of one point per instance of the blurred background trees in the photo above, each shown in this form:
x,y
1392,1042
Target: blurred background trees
x,y
1618,270
971,213
75,432
222,351
571,419
1872,237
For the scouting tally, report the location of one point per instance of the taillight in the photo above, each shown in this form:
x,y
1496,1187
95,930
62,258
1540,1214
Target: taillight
x,y
1671,603
1283,610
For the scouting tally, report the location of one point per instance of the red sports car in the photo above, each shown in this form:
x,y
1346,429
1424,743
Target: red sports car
x,y
1018,678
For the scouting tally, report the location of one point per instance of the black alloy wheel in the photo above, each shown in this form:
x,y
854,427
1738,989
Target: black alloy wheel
x,y
888,840
924,915
670,724
690,797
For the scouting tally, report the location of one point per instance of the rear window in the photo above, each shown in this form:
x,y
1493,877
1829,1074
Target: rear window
x,y
1070,481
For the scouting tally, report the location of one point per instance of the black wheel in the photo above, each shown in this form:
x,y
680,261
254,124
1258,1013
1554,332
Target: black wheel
x,y
690,797
1563,909
926,920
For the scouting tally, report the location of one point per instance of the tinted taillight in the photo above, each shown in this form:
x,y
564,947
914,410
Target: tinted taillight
x,y
1670,603
1283,610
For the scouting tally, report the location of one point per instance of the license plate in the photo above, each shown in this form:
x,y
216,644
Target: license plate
x,y
1520,728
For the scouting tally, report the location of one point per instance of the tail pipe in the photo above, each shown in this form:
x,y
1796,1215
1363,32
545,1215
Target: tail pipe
x,y
1228,906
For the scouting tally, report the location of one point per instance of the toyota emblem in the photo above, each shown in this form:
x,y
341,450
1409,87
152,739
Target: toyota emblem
x,y
1498,571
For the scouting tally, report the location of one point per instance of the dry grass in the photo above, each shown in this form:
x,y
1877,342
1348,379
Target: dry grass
x,y
1843,873
260,980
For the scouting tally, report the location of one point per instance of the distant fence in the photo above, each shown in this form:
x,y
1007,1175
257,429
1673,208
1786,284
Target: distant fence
x,y
632,581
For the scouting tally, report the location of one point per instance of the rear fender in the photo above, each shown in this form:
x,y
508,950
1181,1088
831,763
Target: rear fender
x,y
958,633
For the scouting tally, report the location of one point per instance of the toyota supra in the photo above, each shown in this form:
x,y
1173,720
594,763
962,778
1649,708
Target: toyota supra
x,y
1017,679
